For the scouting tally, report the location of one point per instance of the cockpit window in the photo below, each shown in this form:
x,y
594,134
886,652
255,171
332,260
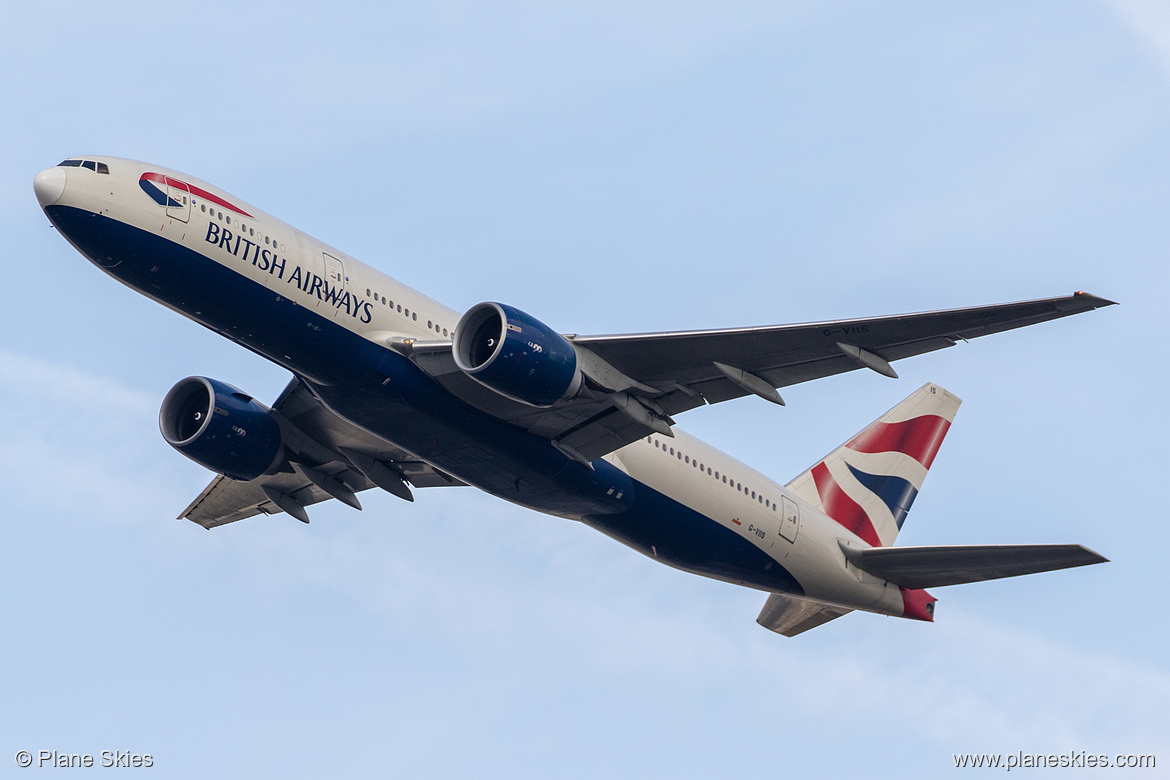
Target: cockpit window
x,y
93,165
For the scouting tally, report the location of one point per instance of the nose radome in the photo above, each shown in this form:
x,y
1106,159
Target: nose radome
x,y
48,185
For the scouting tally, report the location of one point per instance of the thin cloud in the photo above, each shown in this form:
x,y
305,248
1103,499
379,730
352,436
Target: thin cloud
x,y
1149,23
79,443
30,377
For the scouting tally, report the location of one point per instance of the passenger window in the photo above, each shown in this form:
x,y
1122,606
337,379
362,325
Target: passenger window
x,y
444,333
414,316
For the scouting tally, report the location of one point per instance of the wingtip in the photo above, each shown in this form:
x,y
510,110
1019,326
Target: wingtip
x,y
1094,554
1096,299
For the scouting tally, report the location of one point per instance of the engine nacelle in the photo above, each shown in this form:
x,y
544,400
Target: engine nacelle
x,y
515,355
220,428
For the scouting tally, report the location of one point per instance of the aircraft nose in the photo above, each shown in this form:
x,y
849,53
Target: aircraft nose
x,y
49,184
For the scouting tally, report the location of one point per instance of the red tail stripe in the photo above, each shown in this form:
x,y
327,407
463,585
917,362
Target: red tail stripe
x,y
919,438
839,506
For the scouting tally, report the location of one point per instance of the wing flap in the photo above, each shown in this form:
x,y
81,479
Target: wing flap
x,y
932,567
226,500
789,616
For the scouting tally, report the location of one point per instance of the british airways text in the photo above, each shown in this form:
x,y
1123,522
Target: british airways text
x,y
306,281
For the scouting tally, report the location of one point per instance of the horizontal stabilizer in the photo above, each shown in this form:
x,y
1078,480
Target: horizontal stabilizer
x,y
932,567
791,616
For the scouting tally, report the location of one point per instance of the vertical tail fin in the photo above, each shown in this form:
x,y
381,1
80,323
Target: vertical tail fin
x,y
869,482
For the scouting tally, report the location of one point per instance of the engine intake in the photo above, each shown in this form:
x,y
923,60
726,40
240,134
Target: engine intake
x,y
515,355
220,428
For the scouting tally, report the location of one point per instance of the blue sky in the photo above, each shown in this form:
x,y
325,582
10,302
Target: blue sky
x,y
609,167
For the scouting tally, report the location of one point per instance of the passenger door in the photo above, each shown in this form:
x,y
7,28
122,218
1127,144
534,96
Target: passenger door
x,y
789,519
178,200
334,272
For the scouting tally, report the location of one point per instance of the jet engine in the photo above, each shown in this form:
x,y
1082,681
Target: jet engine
x,y
515,355
220,428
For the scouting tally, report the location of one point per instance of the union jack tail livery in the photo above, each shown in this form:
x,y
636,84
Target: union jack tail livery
x,y
869,483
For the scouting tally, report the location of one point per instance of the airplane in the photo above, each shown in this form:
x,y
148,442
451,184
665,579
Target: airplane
x,y
391,389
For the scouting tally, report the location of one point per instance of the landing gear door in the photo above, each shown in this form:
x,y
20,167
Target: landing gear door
x,y
790,519
178,200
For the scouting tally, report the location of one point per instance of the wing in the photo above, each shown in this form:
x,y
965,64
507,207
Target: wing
x,y
636,382
329,458
789,354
